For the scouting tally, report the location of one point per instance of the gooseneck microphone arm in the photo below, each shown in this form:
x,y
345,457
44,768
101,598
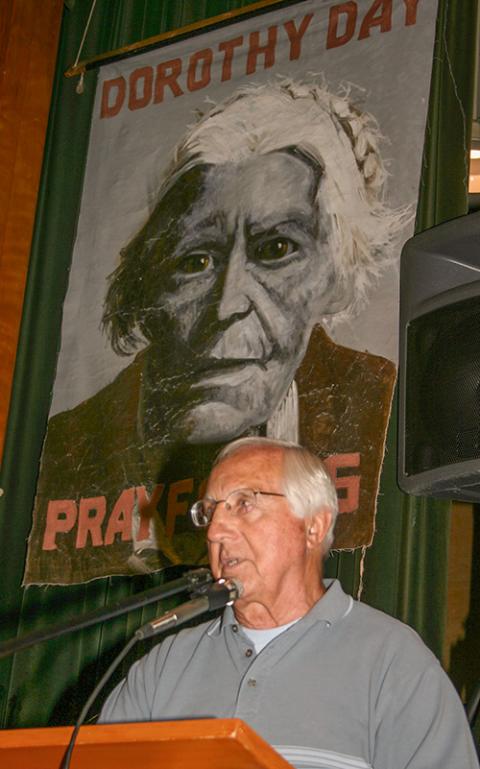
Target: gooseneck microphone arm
x,y
190,582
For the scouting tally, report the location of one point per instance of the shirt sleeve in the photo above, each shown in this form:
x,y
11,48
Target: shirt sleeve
x,y
132,699
421,724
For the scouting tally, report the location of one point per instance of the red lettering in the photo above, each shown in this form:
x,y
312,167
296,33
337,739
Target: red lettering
x,y
255,50
136,100
120,521
350,484
175,506
229,46
61,517
411,12
334,39
115,88
383,20
147,506
167,74
205,57
295,36
91,524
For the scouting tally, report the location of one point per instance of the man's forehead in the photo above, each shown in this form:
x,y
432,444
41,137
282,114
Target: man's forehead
x,y
248,467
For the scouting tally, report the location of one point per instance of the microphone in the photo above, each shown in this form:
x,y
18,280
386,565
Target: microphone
x,y
213,596
221,593
192,581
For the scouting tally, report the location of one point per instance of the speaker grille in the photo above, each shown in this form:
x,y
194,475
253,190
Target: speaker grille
x,y
442,419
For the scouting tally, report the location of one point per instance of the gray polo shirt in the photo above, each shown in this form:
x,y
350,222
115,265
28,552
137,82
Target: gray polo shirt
x,y
345,686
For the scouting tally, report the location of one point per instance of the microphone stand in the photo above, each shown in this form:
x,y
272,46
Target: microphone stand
x,y
191,581
210,598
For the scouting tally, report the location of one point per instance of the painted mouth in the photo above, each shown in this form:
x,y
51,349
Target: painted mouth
x,y
220,364
225,370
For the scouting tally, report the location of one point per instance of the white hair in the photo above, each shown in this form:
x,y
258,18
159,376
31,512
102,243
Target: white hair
x,y
333,134
326,130
306,483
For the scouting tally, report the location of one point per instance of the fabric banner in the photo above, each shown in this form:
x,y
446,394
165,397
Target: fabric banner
x,y
235,272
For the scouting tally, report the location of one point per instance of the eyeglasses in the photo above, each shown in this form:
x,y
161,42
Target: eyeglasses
x,y
238,503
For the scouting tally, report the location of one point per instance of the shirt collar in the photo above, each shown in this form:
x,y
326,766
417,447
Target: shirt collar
x,y
333,605
330,608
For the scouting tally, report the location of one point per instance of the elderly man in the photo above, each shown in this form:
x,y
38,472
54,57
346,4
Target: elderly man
x,y
328,681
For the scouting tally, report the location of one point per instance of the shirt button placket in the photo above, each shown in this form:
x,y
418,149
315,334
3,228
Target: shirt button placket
x,y
250,691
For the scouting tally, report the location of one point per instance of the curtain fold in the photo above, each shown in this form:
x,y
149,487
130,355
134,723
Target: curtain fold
x,y
404,570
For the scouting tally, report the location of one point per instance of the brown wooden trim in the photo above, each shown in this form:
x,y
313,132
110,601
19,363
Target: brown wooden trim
x,y
28,46
140,45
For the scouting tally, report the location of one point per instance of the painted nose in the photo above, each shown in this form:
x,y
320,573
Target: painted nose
x,y
235,300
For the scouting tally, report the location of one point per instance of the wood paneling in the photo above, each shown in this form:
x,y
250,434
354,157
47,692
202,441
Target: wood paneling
x,y
29,35
461,658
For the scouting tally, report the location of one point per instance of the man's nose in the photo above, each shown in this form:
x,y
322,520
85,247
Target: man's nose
x,y
222,526
236,291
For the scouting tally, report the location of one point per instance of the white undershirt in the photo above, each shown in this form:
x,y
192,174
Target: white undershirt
x,y
260,637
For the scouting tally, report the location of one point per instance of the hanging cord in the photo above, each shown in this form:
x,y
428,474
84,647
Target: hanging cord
x,y
79,89
361,572
81,718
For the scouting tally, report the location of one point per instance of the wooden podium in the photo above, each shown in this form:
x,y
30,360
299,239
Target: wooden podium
x,y
198,744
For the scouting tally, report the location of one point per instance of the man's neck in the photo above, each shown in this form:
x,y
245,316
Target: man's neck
x,y
262,615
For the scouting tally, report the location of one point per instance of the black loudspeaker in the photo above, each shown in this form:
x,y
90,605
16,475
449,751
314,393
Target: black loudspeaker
x,y
439,368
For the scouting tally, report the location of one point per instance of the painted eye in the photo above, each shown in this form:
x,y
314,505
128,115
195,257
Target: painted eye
x,y
195,263
274,249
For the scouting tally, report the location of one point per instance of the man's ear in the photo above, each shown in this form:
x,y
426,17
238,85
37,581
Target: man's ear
x,y
316,528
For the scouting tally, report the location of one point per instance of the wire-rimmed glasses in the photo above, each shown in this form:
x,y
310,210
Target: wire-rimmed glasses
x,y
238,503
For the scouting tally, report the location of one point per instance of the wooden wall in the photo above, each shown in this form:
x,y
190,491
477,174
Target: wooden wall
x,y
461,656
29,33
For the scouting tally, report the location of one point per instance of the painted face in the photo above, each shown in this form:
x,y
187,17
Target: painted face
x,y
266,548
242,275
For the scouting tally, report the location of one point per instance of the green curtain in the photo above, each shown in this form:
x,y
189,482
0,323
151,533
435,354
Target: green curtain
x,y
404,571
